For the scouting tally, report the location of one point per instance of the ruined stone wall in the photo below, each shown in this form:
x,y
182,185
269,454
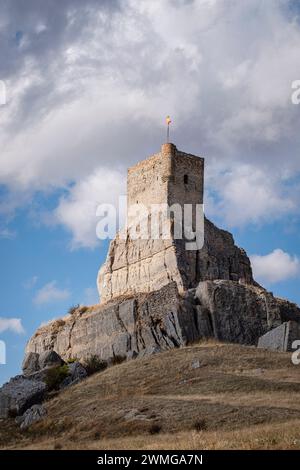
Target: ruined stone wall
x,y
186,186
147,181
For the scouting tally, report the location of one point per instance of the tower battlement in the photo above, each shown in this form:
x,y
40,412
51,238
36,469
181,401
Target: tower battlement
x,y
167,177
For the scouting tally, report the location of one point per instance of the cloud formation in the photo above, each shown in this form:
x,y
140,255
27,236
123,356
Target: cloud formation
x,y
275,267
11,324
89,85
77,210
50,293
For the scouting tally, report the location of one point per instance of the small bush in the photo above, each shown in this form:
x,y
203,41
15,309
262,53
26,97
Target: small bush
x,y
57,324
155,429
73,309
57,446
94,364
83,309
55,376
71,360
200,425
97,435
118,359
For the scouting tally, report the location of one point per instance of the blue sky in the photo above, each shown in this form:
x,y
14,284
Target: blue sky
x,y
88,86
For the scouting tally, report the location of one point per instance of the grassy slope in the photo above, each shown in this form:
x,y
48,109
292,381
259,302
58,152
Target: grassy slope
x,y
239,397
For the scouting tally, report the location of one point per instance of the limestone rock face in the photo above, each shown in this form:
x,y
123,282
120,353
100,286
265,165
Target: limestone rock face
x,y
19,394
234,312
147,323
134,266
281,338
32,415
159,319
30,363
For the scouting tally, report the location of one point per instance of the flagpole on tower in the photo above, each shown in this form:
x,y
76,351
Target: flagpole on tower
x,y
168,121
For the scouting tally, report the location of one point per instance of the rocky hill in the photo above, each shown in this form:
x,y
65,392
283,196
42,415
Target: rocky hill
x,y
222,301
205,396
155,296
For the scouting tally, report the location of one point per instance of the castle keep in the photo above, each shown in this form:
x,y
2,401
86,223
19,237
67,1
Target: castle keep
x,y
168,177
155,294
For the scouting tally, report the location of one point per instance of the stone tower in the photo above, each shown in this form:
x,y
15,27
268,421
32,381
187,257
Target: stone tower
x,y
169,176
145,265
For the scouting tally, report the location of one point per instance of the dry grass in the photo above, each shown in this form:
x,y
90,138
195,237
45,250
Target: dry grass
x,y
247,398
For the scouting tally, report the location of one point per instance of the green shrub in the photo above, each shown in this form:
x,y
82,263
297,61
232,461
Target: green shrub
x,y
55,376
94,364
71,360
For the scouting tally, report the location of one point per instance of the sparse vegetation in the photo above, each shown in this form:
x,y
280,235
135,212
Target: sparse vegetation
x,y
245,398
58,446
71,360
94,364
83,309
55,376
155,429
73,309
57,324
117,359
200,425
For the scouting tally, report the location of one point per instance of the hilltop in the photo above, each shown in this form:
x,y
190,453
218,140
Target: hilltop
x,y
205,396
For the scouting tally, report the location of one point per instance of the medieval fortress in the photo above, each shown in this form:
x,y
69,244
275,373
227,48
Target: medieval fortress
x,y
155,294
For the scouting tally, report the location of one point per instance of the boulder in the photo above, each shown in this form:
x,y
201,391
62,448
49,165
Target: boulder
x,y
50,359
76,373
235,312
280,338
30,363
19,394
32,415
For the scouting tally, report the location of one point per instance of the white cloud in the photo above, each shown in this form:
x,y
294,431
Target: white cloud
x,y
11,324
77,210
50,293
248,195
93,91
7,234
275,267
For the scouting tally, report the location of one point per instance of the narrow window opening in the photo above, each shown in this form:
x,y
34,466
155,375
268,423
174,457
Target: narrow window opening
x,y
186,179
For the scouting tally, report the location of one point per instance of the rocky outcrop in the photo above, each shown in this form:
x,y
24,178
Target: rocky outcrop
x,y
76,373
227,310
134,266
281,338
31,416
159,319
34,362
19,394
